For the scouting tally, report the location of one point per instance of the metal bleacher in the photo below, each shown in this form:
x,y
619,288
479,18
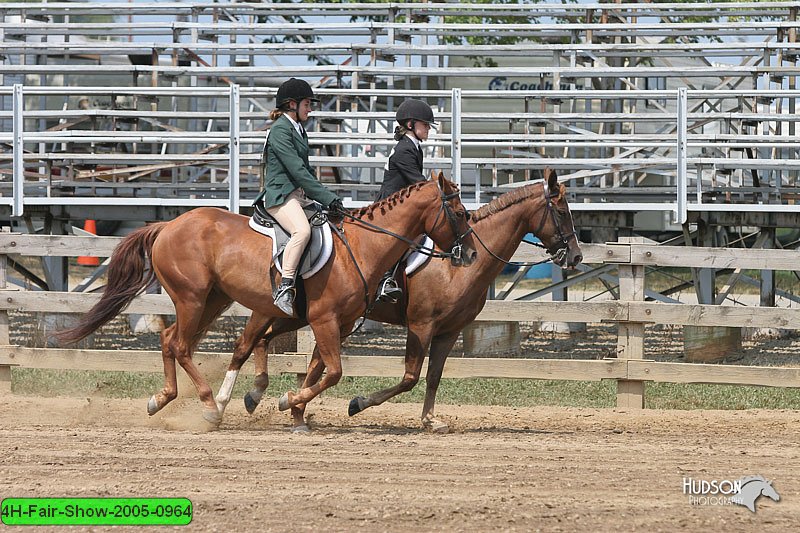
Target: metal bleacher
x,y
655,115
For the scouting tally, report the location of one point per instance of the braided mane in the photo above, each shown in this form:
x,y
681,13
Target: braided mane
x,y
504,201
388,202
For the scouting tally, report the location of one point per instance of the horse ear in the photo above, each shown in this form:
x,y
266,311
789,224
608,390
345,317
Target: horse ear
x,y
552,179
433,175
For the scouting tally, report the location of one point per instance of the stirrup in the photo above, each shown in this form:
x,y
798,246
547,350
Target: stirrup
x,y
284,298
390,292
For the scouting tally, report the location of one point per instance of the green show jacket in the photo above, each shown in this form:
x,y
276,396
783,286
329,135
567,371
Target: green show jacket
x,y
287,168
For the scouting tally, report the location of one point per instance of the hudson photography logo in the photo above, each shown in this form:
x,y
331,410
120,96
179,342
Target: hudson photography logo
x,y
744,491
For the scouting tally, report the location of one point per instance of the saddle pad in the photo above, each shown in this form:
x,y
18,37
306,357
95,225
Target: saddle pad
x,y
416,260
316,254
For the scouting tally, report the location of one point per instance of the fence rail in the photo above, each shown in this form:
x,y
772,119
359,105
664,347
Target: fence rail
x,y
630,312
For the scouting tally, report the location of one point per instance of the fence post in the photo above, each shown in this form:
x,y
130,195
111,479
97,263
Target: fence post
x,y
18,170
233,149
630,341
681,214
5,339
455,139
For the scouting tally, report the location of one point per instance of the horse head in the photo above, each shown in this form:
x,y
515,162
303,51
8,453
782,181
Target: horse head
x,y
450,224
556,229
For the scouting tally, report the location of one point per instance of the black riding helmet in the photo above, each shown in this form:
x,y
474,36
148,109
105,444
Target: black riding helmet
x,y
414,110
294,89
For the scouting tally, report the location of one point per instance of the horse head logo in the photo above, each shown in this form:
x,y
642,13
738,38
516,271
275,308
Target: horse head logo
x,y
752,488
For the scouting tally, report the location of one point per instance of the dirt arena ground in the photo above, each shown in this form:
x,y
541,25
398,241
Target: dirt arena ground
x,y
547,469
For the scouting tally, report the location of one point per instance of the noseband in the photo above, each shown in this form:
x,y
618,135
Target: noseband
x,y
456,252
560,253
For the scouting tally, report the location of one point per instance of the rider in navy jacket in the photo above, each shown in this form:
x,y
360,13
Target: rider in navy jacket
x,y
404,168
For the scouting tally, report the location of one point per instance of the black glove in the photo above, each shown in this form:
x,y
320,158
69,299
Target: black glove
x,y
336,206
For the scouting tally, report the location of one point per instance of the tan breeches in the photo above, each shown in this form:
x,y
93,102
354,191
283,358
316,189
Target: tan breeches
x,y
291,216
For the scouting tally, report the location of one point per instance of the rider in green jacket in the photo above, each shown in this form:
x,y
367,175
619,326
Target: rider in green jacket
x,y
289,181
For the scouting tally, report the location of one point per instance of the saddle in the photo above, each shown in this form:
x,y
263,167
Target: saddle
x,y
319,248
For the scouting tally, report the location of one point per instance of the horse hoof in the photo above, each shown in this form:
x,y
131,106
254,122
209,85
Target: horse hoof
x,y
302,429
212,417
283,402
152,406
357,405
249,403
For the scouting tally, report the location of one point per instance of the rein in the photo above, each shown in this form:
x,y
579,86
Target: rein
x,y
369,302
415,245
558,255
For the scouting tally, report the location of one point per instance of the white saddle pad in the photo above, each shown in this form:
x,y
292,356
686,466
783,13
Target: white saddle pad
x,y
321,238
416,260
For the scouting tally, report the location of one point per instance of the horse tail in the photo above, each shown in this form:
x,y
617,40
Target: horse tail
x,y
127,276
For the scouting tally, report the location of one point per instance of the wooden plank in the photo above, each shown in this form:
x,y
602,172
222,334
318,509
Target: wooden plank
x,y
719,374
75,302
548,311
131,360
714,315
645,254
57,245
456,367
592,253
569,369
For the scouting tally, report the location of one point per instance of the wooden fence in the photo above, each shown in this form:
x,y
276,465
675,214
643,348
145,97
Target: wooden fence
x,y
630,312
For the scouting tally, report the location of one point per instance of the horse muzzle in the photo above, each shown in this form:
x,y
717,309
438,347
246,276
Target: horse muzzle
x,y
564,256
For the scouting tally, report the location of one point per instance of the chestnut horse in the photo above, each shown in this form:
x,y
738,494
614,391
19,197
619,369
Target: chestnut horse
x,y
207,258
443,300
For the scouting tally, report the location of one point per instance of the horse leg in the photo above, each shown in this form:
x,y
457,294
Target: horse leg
x,y
329,340
260,357
417,341
261,382
257,324
170,390
315,369
440,349
192,319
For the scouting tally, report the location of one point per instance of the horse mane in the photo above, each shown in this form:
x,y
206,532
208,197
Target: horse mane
x,y
390,201
504,201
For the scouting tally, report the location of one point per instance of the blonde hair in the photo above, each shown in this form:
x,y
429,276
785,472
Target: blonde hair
x,y
399,132
275,114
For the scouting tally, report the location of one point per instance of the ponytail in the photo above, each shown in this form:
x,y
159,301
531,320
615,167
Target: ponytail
x,y
399,132
275,114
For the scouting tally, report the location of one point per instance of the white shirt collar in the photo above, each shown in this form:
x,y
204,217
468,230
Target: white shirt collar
x,y
413,139
295,124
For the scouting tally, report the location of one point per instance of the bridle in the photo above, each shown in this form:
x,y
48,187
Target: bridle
x,y
456,251
558,254
455,254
